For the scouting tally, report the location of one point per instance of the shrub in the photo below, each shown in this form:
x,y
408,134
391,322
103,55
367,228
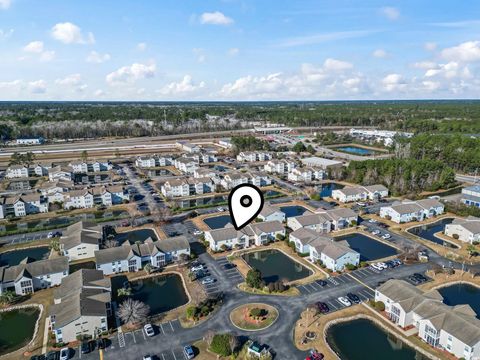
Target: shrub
x,y
254,279
280,237
380,306
292,245
271,287
455,236
221,345
191,312
350,267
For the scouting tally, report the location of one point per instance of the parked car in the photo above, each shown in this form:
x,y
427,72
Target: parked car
x,y
198,232
229,266
376,232
414,280
65,354
376,266
386,236
372,221
53,355
344,301
86,347
353,298
147,357
149,330
323,307
220,209
208,281
101,343
322,283
420,277
188,352
37,357
196,267
397,262
50,235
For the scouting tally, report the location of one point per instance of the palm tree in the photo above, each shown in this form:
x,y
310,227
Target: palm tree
x,y
8,297
124,292
472,250
133,312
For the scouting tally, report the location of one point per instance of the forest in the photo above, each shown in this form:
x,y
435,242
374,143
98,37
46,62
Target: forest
x,y
97,119
402,176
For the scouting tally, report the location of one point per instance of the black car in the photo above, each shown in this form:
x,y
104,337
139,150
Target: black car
x,y
53,355
229,266
322,283
86,347
37,357
101,343
420,277
323,307
414,280
353,298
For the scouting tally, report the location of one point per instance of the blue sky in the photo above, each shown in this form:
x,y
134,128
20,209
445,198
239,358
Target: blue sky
x,y
238,50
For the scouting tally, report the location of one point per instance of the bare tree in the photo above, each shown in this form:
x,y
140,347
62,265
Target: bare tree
x,y
234,343
133,312
110,243
209,337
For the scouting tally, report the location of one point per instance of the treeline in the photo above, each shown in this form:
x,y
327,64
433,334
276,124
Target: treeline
x,y
460,152
402,176
77,119
249,143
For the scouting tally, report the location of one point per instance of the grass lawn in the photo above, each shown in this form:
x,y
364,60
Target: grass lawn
x,y
241,318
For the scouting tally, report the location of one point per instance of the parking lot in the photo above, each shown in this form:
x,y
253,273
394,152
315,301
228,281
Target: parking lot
x,y
232,274
138,337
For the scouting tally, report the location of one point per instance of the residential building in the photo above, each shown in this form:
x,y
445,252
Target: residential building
x,y
324,221
78,199
83,167
271,213
232,179
153,161
321,163
258,179
382,136
253,234
305,174
22,205
81,306
252,156
132,257
335,255
360,193
60,173
471,196
466,230
280,167
407,210
225,143
205,172
454,329
29,276
81,240
22,171
187,187
187,165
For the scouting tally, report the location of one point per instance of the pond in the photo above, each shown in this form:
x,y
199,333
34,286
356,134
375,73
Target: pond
x,y
136,235
459,294
362,339
355,150
369,248
217,222
275,265
427,232
326,189
159,172
162,293
14,257
17,328
293,210
62,221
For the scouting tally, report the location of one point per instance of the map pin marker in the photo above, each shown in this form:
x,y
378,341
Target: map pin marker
x,y
244,202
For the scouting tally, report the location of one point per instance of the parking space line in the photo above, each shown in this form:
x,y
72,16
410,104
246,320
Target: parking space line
x,y
174,355
161,327
79,351
163,356
143,333
307,290
134,339
171,326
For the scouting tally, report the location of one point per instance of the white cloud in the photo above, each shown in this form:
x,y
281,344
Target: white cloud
x,y
99,92
10,84
5,34
380,53
466,52
424,64
215,18
199,54
252,86
142,46
37,87
182,87
390,12
69,33
5,4
323,37
430,46
336,65
37,47
431,85
47,55
97,58
449,70
34,47
394,82
233,51
131,73
73,79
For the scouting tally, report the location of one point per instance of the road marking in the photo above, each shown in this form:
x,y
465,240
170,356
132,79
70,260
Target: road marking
x,y
171,326
143,333
163,356
361,282
79,351
121,339
303,286
161,327
101,354
133,334
174,355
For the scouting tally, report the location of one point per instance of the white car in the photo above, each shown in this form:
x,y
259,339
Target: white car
x,y
373,221
207,281
386,236
382,265
64,353
148,328
196,268
344,301
376,232
220,209
376,267
198,232
50,235
147,357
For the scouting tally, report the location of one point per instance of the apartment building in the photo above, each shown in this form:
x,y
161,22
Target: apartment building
x,y
408,210
22,205
360,193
